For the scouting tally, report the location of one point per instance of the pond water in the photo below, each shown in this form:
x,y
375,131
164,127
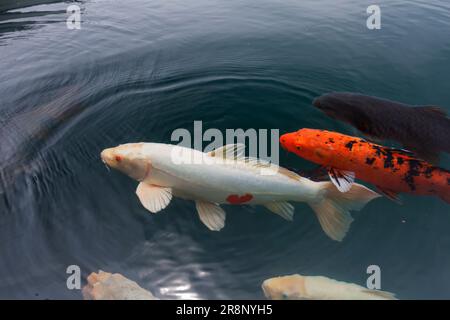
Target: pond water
x,y
136,71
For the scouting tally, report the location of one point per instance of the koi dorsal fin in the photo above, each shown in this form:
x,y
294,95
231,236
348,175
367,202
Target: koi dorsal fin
x,y
237,152
229,151
266,165
289,173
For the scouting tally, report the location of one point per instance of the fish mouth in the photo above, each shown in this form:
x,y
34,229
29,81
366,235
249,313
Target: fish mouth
x,y
106,165
265,289
284,141
104,158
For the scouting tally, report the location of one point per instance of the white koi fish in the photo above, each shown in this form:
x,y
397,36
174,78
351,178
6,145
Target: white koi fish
x,y
297,287
225,176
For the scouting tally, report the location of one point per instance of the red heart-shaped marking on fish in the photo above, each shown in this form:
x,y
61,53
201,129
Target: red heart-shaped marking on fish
x,y
237,199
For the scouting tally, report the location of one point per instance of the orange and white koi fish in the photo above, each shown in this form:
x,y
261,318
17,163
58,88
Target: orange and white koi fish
x,y
391,170
298,287
227,177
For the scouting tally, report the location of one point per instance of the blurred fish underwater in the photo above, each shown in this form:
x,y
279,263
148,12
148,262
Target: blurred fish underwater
x,y
140,70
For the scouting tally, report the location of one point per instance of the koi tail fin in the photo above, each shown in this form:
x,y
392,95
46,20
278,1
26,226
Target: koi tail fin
x,y
333,208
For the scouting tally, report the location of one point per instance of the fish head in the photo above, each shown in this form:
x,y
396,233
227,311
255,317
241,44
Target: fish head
x,y
129,158
308,144
337,105
284,288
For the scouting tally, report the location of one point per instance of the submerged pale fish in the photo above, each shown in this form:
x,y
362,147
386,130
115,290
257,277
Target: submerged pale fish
x,y
108,286
224,176
297,287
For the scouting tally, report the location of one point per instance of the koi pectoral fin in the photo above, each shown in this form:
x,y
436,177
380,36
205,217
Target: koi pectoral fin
x,y
392,195
153,198
211,214
283,209
343,180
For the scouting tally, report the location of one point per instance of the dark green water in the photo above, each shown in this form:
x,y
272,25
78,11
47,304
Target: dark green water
x,y
136,71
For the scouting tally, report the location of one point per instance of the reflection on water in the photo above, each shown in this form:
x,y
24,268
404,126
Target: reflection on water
x,y
7,5
140,71
26,15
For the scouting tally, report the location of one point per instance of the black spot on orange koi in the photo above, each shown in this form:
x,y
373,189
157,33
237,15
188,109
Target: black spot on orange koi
x,y
331,140
400,161
389,157
413,171
378,150
388,163
370,161
429,172
350,144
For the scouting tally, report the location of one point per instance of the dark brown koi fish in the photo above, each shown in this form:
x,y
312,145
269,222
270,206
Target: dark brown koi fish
x,y
425,130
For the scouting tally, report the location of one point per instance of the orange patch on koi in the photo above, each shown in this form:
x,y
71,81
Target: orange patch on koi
x,y
236,199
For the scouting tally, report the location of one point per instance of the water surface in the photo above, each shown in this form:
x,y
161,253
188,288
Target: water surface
x,y
136,71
